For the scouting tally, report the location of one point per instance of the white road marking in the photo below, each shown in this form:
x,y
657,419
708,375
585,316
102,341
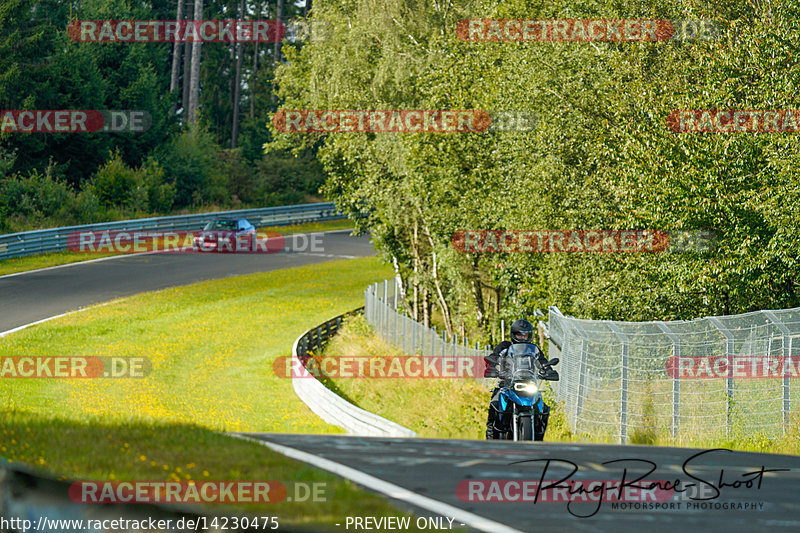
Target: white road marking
x,y
393,491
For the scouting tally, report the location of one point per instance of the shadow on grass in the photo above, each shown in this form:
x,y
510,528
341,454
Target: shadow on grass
x,y
143,450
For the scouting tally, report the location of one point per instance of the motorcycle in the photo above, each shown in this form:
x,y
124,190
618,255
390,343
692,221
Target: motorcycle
x,y
521,413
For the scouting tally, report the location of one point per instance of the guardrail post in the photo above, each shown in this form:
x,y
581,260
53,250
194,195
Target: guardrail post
x,y
623,413
676,380
787,354
729,350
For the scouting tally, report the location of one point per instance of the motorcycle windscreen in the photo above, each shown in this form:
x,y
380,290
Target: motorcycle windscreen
x,y
522,357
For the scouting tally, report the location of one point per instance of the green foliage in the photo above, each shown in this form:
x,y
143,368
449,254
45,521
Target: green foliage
x,y
188,160
601,156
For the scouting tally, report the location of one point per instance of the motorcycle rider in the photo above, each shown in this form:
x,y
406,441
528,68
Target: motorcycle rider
x,y
521,332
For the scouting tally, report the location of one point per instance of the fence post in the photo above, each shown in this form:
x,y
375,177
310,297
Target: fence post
x,y
729,349
405,325
414,327
433,342
623,400
676,379
385,309
787,353
502,330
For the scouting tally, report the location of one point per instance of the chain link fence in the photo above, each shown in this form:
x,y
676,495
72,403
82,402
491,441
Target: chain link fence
x,y
382,311
714,377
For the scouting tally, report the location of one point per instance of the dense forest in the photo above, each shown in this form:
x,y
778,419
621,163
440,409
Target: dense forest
x,y
603,154
204,148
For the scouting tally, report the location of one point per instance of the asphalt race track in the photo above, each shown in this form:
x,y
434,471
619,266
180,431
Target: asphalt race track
x,y
28,297
434,468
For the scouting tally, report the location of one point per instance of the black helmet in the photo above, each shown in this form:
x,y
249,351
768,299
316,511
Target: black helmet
x,y
521,331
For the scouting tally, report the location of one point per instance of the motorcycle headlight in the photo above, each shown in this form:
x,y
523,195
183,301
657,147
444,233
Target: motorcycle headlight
x,y
527,387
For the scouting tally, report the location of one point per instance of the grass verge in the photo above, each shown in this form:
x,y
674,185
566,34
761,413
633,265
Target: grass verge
x,y
211,346
34,262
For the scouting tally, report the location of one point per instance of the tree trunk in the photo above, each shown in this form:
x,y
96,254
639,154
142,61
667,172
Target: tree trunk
x,y
277,50
426,308
254,75
416,271
477,295
176,53
187,67
237,91
448,324
194,87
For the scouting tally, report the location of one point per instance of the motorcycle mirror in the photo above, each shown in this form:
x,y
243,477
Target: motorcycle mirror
x,y
553,361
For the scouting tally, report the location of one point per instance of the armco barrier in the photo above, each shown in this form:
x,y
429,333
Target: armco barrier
x,y
44,501
326,404
55,239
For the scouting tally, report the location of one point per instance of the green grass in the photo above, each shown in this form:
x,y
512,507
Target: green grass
x,y
211,346
34,262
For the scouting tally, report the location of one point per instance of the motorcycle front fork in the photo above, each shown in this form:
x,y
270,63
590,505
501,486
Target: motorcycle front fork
x,y
514,423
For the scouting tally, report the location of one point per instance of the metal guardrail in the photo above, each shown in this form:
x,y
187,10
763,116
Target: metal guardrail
x,y
42,502
55,239
326,404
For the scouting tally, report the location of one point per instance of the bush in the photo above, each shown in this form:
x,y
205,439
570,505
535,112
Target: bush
x,y
26,202
114,182
188,162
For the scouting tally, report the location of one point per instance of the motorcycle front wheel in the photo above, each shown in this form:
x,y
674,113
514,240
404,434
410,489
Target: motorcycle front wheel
x,y
525,428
